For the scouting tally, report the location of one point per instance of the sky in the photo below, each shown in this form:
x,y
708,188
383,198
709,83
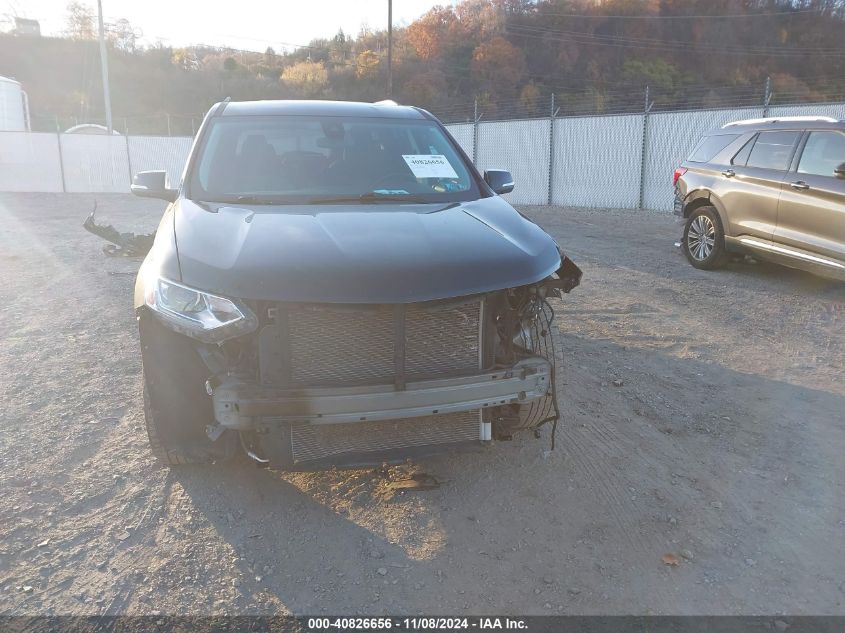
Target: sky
x,y
244,24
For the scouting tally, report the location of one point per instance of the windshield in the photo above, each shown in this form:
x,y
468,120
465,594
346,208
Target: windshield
x,y
300,159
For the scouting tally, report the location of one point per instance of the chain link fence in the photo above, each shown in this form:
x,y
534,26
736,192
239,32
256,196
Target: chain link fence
x,y
85,163
616,159
143,125
632,97
522,147
669,139
595,161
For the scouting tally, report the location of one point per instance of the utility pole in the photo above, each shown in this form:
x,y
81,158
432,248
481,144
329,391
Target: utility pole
x,y
104,63
390,48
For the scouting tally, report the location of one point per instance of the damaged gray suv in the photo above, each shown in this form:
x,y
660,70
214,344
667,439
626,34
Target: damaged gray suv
x,y
335,284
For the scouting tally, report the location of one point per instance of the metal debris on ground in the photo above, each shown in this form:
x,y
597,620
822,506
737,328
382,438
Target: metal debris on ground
x,y
122,244
416,481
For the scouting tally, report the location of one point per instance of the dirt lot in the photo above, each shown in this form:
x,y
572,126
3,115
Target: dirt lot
x,y
703,418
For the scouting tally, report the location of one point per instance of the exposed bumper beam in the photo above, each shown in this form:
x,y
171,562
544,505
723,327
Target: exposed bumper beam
x,y
237,405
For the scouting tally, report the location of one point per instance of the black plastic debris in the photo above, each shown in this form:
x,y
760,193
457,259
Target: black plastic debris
x,y
122,244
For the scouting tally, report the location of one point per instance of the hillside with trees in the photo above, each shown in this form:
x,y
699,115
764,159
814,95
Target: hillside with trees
x,y
510,55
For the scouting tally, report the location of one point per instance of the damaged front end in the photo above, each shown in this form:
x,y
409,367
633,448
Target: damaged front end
x,y
308,385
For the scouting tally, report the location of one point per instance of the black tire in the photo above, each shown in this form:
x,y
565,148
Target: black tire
x,y
704,239
175,445
163,450
176,406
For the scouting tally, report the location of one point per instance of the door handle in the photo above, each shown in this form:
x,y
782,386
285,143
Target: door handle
x,y
799,185
728,173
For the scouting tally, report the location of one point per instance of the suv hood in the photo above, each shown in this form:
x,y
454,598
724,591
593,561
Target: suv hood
x,y
384,253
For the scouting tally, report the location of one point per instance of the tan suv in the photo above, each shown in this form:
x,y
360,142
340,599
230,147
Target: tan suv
x,y
774,188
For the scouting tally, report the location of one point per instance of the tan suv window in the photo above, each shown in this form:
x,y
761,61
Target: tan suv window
x,y
741,157
772,150
823,153
709,146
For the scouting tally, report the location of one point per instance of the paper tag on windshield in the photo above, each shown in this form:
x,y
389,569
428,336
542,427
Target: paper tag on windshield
x,y
429,166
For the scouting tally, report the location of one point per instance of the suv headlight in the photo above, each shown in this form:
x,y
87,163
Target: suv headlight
x,y
196,313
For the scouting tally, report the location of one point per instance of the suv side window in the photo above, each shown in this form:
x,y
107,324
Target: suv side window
x,y
773,150
823,152
741,157
709,146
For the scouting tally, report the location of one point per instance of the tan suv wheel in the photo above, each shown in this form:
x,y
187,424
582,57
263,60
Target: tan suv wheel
x,y
704,239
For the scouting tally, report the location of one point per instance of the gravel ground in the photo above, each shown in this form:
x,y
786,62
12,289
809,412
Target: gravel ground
x,y
703,427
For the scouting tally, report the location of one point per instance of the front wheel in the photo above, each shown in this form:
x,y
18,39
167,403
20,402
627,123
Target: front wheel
x,y
704,239
176,406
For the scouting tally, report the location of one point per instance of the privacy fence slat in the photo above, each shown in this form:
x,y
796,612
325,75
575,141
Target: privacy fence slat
x,y
671,137
607,161
160,152
30,161
834,110
596,161
85,163
522,147
463,134
95,163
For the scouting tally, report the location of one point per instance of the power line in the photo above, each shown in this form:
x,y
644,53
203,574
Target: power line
x,y
647,40
667,46
724,16
518,29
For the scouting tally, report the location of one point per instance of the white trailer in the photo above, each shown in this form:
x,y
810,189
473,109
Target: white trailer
x,y
14,107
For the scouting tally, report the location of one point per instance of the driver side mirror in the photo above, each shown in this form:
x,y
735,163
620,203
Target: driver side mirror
x,y
499,180
839,171
153,184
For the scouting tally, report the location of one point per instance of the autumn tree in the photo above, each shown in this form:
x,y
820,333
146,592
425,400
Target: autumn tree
x,y
80,22
122,35
428,89
308,78
429,34
366,64
499,66
185,58
529,97
480,19
658,73
509,54
340,48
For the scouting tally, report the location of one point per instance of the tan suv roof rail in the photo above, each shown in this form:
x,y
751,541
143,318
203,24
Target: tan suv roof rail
x,y
778,119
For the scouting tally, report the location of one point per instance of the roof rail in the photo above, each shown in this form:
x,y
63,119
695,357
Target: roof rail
x,y
221,106
777,119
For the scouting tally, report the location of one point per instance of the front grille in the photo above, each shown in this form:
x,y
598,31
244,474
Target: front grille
x,y
340,345
346,345
320,441
442,340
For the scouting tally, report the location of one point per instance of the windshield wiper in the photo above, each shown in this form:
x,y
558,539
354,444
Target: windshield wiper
x,y
371,196
255,199
366,198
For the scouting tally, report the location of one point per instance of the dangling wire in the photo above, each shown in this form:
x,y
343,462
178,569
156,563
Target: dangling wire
x,y
540,341
548,324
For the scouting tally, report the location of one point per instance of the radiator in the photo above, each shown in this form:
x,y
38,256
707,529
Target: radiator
x,y
310,442
344,345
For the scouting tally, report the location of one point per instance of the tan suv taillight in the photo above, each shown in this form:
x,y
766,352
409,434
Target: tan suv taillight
x,y
680,171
